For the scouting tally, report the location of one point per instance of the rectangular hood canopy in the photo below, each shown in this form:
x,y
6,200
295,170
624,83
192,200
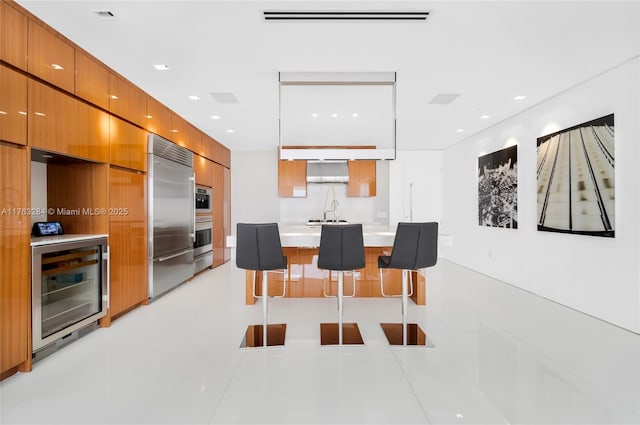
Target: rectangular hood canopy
x,y
327,172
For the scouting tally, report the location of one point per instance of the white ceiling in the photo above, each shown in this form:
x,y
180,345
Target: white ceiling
x,y
488,51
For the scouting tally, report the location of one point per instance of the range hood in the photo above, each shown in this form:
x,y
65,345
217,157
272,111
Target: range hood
x,y
327,172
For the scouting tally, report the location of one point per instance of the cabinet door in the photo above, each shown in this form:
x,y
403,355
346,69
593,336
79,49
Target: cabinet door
x,y
208,146
127,239
51,58
127,145
218,215
158,118
93,134
203,168
13,36
127,101
227,211
54,119
292,179
13,106
15,280
362,178
179,130
92,80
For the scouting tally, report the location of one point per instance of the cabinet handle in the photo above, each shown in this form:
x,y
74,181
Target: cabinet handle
x,y
169,257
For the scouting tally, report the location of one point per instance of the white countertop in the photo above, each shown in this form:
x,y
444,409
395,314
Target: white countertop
x,y
303,236
47,240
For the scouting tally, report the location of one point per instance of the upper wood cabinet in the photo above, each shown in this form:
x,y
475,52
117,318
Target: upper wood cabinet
x,y
127,101
218,215
92,80
180,130
208,147
292,179
13,36
362,178
222,155
195,140
158,118
61,123
13,106
127,240
128,145
203,169
50,57
15,261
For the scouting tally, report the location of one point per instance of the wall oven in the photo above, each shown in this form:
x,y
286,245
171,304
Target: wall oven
x,y
204,199
203,244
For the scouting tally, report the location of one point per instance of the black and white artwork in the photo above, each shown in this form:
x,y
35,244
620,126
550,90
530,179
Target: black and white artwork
x,y
498,188
576,190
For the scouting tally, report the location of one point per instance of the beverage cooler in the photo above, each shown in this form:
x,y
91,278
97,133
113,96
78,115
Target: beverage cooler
x,y
69,286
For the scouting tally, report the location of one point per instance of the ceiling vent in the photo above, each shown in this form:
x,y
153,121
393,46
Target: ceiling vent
x,y
104,14
444,98
221,97
345,16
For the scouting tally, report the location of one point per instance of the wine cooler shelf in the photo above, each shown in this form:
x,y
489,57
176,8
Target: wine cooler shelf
x,y
69,288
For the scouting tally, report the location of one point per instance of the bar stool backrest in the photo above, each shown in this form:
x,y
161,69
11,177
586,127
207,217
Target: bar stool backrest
x,y
258,247
415,246
341,247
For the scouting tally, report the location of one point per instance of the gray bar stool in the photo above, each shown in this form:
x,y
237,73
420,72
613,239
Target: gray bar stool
x,y
259,249
415,247
341,249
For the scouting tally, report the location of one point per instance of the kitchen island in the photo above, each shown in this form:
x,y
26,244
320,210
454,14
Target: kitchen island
x,y
304,279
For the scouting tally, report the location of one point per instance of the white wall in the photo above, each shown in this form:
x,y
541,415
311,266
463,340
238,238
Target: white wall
x,y
415,186
254,187
38,189
598,276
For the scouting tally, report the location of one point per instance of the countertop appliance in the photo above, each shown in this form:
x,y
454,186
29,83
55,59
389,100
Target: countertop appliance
x,y
203,245
203,198
69,275
171,215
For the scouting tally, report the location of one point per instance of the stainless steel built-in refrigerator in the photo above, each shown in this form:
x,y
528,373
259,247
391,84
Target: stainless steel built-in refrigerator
x,y
171,215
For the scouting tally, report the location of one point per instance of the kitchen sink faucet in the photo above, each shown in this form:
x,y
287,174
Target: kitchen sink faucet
x,y
332,206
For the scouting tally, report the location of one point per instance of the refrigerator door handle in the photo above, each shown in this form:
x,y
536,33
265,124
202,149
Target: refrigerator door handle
x,y
169,257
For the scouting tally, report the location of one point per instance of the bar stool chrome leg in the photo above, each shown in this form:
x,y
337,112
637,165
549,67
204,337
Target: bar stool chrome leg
x,y
340,301
405,306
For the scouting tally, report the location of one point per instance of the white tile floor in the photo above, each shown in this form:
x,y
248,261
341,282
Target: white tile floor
x,y
502,356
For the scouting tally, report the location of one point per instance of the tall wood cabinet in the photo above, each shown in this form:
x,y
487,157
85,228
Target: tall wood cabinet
x,y
221,213
127,240
15,259
13,106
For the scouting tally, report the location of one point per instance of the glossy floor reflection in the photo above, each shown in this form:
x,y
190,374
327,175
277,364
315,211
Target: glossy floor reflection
x,y
350,334
415,335
502,356
254,336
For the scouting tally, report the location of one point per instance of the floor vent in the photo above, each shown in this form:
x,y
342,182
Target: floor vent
x,y
345,16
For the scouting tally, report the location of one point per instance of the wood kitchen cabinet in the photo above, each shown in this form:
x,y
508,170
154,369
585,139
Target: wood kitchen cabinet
x,y
127,241
60,123
13,36
292,179
92,80
158,118
50,57
127,145
13,106
204,170
362,178
179,131
126,100
15,261
221,213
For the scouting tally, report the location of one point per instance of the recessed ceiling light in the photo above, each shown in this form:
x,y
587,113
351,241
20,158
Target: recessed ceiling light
x,y
161,67
215,117
56,66
148,116
354,115
314,115
334,115
194,97
520,97
485,117
231,130
460,130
